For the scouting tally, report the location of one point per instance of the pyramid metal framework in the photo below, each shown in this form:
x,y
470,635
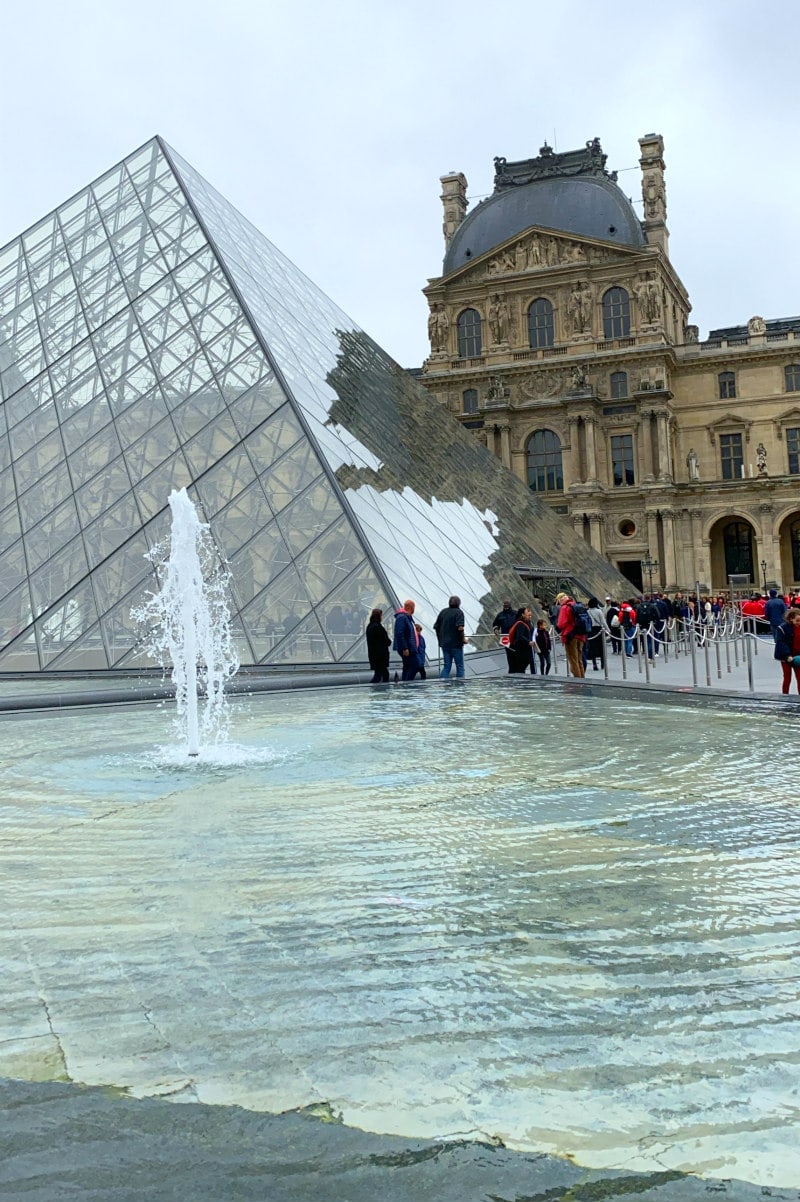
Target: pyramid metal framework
x,y
151,339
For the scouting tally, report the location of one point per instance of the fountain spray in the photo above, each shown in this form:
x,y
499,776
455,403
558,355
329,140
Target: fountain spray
x,y
189,624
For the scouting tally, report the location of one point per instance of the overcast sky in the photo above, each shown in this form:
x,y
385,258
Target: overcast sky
x,y
329,123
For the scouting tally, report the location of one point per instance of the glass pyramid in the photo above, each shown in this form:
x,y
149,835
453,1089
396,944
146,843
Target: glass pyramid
x,y
150,339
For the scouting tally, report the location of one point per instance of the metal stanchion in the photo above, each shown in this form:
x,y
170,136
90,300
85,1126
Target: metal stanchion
x,y
719,657
755,637
605,642
748,652
693,652
707,659
728,652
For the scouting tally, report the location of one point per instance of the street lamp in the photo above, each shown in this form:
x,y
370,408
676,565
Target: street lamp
x,y
649,565
764,572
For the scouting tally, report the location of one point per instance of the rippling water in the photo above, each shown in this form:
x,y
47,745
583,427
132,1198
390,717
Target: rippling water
x,y
567,921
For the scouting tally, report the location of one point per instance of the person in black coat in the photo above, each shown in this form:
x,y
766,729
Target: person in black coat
x,y
520,639
787,648
378,644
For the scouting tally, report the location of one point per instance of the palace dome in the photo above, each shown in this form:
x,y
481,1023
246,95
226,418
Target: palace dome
x,y
586,205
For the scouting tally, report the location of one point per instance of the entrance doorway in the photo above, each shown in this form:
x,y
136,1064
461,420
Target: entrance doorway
x,y
631,569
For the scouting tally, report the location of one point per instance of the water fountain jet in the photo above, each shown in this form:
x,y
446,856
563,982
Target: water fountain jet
x,y
189,625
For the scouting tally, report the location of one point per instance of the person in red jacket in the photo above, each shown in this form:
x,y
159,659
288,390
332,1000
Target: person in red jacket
x,y
572,639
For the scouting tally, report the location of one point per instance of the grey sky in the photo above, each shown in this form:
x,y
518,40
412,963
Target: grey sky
x,y
329,124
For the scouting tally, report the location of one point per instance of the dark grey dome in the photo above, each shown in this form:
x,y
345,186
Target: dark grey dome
x,y
585,205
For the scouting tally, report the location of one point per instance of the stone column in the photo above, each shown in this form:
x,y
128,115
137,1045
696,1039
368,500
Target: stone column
x,y
596,521
698,551
662,436
505,444
646,448
574,461
670,561
589,425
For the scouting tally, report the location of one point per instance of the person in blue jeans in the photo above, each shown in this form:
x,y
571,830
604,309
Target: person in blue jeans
x,y
449,627
406,640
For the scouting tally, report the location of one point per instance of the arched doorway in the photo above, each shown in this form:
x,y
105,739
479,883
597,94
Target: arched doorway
x,y
732,551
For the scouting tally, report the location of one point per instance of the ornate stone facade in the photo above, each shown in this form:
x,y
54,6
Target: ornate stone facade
x,y
572,357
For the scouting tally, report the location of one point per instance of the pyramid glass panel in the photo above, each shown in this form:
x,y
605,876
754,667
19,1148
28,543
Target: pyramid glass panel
x,y
150,339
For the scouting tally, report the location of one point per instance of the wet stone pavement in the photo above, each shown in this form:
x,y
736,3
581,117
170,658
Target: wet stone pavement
x,y
63,1142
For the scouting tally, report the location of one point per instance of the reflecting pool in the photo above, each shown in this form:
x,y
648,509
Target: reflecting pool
x,y
469,909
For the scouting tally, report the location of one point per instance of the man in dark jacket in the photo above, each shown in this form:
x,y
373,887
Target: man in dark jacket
x,y
405,640
775,612
505,619
449,627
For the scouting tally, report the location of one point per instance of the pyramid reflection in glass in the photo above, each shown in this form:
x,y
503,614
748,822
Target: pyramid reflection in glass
x,y
150,339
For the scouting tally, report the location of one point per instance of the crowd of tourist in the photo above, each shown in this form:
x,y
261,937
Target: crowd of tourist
x,y
585,630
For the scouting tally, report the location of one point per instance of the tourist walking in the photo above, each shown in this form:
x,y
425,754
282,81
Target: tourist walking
x,y
423,675
378,644
544,646
787,649
775,612
573,634
520,640
595,643
406,639
449,627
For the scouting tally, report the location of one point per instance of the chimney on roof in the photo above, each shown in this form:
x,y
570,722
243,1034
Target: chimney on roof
x,y
454,200
654,193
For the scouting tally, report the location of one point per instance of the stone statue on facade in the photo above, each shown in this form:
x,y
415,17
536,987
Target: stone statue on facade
x,y
756,325
648,300
438,327
579,308
692,464
578,380
499,319
761,459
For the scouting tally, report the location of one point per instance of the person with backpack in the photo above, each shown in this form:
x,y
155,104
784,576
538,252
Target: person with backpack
x,y
573,625
646,617
627,621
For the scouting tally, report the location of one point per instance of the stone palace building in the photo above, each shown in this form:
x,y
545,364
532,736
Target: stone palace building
x,y
560,335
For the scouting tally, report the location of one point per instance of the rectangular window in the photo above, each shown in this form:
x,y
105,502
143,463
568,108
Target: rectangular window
x,y
622,459
793,447
469,400
727,385
619,384
730,449
792,375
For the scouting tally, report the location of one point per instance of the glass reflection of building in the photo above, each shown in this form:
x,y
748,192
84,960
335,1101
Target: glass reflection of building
x,y
150,339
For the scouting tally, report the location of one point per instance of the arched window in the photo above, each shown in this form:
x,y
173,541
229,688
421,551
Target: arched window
x,y
616,313
792,376
545,473
469,400
540,323
619,384
469,334
727,384
737,538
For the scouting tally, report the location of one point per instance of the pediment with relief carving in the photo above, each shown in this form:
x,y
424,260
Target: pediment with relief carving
x,y
539,251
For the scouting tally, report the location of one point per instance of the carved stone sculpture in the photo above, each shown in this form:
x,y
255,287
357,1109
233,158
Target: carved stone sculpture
x,y
761,459
756,325
498,317
692,464
438,326
579,307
